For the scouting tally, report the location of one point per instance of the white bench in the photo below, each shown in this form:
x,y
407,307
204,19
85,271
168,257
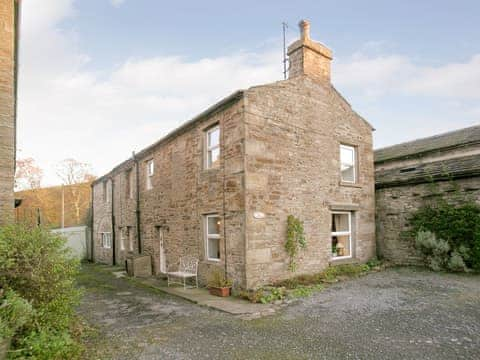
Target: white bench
x,y
187,268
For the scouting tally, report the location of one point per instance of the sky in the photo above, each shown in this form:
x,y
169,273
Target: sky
x,y
99,79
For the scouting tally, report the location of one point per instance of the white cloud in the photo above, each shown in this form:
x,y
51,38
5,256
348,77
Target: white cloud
x,y
395,74
117,3
66,110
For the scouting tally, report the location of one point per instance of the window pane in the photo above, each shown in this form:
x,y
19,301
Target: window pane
x,y
213,248
150,167
214,137
213,225
348,173
347,163
340,223
341,244
213,157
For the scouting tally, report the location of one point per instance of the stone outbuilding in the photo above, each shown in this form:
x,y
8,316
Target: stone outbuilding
x,y
221,186
404,175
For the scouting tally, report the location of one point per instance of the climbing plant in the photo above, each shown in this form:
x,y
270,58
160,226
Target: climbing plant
x,y
295,240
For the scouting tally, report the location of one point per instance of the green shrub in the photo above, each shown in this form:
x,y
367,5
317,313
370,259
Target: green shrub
x,y
295,240
15,312
36,265
456,262
458,226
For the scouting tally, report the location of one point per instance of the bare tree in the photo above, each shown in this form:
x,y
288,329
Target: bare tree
x,y
28,175
74,172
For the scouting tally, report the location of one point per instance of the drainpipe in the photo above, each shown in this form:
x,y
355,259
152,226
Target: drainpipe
x,y
92,258
114,250
222,128
137,211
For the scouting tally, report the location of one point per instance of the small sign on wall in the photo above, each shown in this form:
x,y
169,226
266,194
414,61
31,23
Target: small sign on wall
x,y
259,215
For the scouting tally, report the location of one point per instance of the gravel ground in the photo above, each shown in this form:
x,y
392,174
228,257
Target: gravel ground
x,y
401,313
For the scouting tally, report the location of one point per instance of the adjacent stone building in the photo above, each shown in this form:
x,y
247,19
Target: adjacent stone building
x,y
408,175
9,10
221,186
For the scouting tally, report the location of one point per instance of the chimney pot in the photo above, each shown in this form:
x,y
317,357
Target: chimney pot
x,y
304,29
308,57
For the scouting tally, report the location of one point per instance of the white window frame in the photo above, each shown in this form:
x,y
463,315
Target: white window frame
x,y
211,236
129,183
343,233
354,149
209,148
106,240
105,191
130,238
150,172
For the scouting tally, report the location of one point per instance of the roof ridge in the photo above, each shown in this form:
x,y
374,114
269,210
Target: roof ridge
x,y
436,136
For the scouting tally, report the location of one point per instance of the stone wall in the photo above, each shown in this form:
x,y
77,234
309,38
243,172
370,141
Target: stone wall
x,y
396,205
183,193
294,130
7,109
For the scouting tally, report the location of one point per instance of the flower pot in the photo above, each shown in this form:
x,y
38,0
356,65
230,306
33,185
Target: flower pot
x,y
219,291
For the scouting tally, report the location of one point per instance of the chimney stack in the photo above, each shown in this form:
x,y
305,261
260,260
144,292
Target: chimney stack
x,y
307,57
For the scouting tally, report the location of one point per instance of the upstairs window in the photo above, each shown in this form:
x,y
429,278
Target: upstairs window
x,y
129,184
106,240
150,172
107,190
104,188
212,155
212,230
348,164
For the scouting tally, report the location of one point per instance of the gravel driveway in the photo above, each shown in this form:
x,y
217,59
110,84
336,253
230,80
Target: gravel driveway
x,y
401,313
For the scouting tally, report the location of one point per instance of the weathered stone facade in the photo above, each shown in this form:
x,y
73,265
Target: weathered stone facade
x,y
8,50
409,175
279,156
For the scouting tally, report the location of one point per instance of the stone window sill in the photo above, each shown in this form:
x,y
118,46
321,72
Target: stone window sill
x,y
351,260
347,184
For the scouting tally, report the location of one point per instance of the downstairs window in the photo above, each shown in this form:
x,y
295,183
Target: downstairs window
x,y
341,235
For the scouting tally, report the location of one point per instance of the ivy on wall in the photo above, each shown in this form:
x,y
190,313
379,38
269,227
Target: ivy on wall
x,y
295,240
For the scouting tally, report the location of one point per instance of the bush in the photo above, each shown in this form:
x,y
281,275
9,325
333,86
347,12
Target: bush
x,y
36,265
15,312
458,226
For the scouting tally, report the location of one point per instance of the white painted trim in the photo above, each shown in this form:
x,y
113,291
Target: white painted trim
x,y
209,148
106,240
354,149
343,233
210,236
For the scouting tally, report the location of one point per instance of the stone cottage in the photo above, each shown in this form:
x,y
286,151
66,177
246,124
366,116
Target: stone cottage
x,y
404,175
221,186
9,20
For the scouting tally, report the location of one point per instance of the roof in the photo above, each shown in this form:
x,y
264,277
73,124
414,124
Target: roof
x,y
182,128
463,167
416,148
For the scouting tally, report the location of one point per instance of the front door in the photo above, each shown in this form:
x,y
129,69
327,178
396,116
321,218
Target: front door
x,y
162,257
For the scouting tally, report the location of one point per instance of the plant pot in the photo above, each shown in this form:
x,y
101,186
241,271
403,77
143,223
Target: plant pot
x,y
4,346
220,291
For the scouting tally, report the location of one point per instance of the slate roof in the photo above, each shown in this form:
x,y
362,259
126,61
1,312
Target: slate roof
x,y
455,168
417,148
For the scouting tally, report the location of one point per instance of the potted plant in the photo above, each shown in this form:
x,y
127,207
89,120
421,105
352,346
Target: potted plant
x,y
334,250
218,284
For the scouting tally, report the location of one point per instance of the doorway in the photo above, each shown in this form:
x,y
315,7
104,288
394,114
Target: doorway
x,y
162,257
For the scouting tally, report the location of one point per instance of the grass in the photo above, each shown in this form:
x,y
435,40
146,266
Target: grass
x,y
305,285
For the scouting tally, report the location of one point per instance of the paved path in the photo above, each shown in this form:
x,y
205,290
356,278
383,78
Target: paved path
x,y
395,314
